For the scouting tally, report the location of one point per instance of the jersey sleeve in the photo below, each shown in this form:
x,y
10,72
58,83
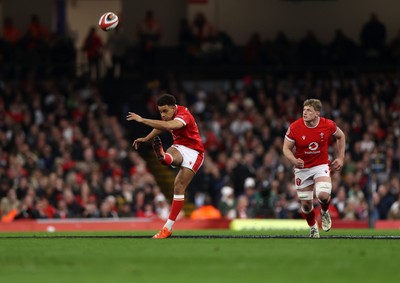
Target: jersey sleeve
x,y
332,127
183,116
290,134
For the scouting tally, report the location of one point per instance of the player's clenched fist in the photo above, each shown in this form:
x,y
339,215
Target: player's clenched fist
x,y
299,163
337,164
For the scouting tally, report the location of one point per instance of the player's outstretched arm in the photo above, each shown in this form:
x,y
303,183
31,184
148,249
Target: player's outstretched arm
x,y
156,124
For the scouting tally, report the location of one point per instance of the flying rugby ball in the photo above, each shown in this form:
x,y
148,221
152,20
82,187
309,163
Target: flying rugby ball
x,y
108,21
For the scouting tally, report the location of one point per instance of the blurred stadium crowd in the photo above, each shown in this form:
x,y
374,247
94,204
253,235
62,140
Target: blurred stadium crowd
x,y
64,154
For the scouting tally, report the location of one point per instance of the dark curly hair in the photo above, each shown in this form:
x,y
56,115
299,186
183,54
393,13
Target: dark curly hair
x,y
166,99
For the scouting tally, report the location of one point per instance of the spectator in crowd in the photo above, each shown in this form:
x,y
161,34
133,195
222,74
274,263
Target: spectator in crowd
x,y
107,208
228,203
62,211
394,211
9,206
213,48
253,50
36,42
36,30
373,37
386,200
394,48
282,50
342,50
11,34
241,207
161,205
253,197
63,56
10,44
339,201
186,39
310,49
206,211
202,29
93,50
28,207
149,33
117,45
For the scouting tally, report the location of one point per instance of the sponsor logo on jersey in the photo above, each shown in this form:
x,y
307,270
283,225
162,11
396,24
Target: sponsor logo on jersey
x,y
313,146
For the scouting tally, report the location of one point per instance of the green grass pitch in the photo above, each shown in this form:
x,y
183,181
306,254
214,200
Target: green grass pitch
x,y
197,256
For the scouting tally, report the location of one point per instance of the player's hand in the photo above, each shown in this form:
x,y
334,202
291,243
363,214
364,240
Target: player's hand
x,y
299,163
136,143
337,164
133,117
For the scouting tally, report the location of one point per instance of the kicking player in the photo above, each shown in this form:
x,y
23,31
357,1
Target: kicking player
x,y
187,151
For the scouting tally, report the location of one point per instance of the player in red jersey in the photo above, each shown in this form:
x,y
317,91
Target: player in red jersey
x,y
187,151
309,136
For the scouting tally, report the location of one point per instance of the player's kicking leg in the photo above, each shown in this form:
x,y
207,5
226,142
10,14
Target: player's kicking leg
x,y
158,148
164,157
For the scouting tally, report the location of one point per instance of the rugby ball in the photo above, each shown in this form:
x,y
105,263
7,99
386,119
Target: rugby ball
x,y
108,21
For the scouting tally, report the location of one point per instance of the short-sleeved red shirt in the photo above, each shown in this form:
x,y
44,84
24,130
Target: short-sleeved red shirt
x,y
311,143
188,135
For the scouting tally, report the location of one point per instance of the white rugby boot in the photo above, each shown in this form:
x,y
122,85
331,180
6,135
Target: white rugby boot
x,y
326,221
314,233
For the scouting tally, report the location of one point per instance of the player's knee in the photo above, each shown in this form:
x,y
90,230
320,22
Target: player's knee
x,y
307,206
323,191
305,196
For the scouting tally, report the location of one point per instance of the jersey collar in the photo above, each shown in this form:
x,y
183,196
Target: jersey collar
x,y
316,125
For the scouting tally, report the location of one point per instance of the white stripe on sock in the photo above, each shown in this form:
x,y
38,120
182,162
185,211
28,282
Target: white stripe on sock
x,y
179,197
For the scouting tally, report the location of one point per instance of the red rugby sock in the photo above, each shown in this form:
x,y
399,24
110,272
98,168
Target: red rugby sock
x,y
176,207
325,206
310,217
167,159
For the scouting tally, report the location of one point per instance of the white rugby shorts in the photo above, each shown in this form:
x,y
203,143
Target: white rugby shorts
x,y
192,159
306,177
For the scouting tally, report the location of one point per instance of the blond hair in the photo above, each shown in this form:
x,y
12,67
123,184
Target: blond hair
x,y
315,103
